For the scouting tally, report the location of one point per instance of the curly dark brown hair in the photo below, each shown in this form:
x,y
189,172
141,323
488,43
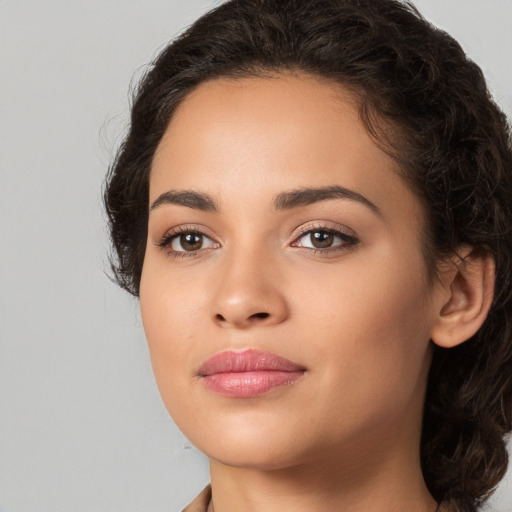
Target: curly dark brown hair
x,y
454,148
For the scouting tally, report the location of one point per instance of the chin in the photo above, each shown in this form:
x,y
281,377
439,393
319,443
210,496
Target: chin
x,y
251,447
253,456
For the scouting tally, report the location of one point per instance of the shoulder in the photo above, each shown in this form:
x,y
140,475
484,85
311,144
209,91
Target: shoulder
x,y
200,504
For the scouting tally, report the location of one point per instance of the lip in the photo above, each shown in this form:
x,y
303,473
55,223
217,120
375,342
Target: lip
x,y
248,374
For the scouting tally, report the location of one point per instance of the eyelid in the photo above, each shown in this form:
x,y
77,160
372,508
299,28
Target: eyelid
x,y
324,225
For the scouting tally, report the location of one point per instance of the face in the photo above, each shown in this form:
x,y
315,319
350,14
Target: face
x,y
283,294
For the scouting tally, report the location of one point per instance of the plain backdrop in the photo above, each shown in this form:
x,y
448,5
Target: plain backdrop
x,y
82,427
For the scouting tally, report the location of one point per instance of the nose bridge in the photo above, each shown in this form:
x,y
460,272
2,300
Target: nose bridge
x,y
248,289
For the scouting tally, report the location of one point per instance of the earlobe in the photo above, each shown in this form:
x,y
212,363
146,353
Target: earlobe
x,y
464,298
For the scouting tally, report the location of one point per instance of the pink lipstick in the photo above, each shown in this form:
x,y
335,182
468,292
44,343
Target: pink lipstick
x,y
249,373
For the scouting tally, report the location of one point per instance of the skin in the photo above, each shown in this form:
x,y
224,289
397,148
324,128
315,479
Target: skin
x,y
358,315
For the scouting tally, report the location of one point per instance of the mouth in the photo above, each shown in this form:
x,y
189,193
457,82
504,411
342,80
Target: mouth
x,y
248,374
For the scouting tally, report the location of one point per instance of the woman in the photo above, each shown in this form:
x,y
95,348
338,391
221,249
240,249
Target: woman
x,y
313,205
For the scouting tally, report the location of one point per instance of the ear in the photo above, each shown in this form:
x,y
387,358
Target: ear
x,y
464,297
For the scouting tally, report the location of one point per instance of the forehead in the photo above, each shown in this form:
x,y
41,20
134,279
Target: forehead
x,y
277,104
274,133
260,111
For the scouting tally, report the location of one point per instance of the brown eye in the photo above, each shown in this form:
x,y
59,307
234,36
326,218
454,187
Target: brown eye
x,y
190,241
325,239
321,239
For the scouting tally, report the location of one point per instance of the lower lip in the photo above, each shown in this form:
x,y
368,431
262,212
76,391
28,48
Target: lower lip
x,y
249,384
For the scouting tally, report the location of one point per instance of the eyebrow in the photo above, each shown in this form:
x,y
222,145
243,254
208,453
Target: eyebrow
x,y
306,196
283,201
189,198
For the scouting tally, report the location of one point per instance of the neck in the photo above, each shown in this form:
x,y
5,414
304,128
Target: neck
x,y
385,483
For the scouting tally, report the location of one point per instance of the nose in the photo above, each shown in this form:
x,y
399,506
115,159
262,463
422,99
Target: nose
x,y
249,293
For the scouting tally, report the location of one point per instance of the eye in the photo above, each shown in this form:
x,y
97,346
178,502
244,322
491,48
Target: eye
x,y
318,239
324,239
186,241
189,242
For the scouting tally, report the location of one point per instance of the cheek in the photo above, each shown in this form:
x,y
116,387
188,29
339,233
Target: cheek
x,y
371,291
371,325
170,308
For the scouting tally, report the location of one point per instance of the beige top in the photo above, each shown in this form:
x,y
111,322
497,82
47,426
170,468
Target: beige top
x,y
202,503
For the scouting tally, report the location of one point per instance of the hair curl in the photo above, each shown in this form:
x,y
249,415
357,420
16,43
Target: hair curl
x,y
454,147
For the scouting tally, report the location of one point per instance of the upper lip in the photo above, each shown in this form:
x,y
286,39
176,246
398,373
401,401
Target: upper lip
x,y
247,361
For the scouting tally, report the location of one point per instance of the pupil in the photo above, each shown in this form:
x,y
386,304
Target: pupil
x,y
322,239
191,241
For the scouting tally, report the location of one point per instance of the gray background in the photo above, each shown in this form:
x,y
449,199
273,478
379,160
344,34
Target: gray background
x,y
82,427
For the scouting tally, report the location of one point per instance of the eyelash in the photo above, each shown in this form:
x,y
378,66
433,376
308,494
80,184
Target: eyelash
x,y
347,240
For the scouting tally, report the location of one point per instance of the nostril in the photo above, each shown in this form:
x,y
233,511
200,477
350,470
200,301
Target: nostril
x,y
260,315
241,320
